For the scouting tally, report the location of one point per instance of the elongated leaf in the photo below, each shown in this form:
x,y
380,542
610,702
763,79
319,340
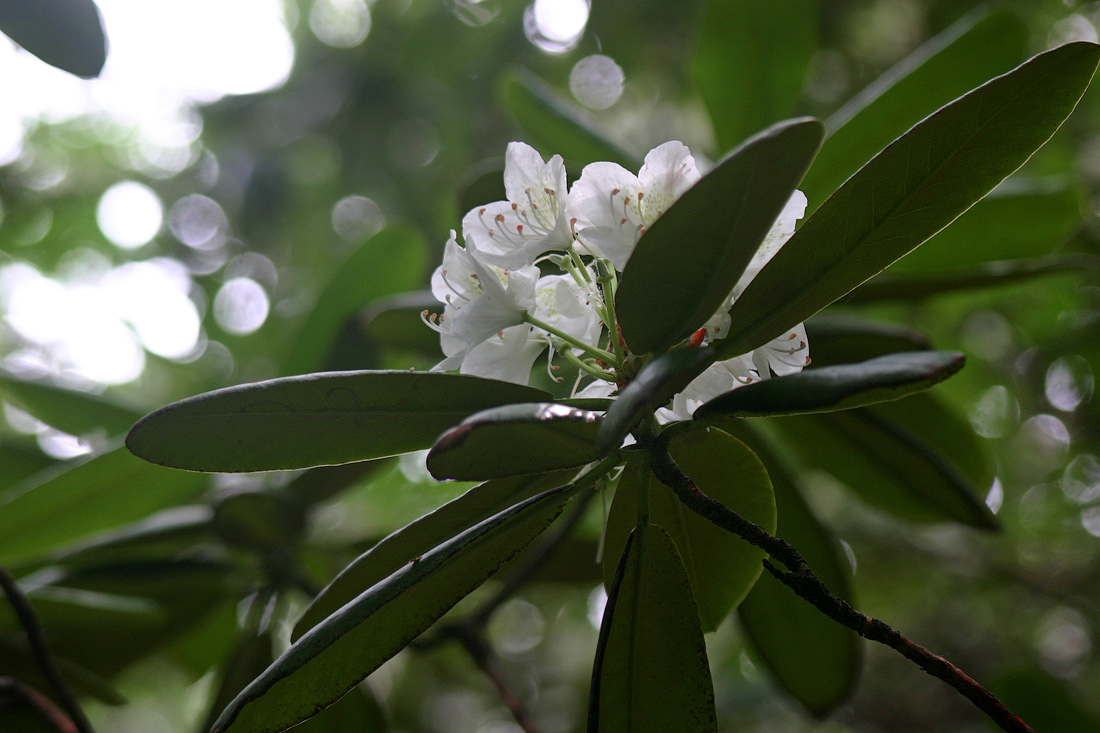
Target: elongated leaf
x,y
555,125
316,419
910,191
341,651
515,440
259,519
1018,220
21,459
395,551
253,654
654,386
651,673
840,387
686,264
396,322
746,80
69,410
976,48
845,339
318,484
163,534
84,496
888,286
395,259
18,662
722,567
887,466
67,34
813,658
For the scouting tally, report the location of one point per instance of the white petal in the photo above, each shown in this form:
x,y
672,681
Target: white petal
x,y
668,171
456,279
508,356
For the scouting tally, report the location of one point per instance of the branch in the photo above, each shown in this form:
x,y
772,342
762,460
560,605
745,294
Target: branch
x,y
799,578
38,702
474,643
29,621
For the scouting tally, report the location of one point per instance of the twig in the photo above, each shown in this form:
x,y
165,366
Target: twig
x,y
471,638
29,621
38,702
799,578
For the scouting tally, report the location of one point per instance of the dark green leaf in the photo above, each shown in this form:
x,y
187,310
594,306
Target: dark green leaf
x,y
395,551
395,322
252,656
651,673
515,440
910,191
318,484
21,459
1019,221
18,662
746,79
722,567
341,651
69,410
976,48
316,419
555,125
686,265
888,286
163,534
844,339
1045,702
67,34
655,385
887,466
259,519
395,259
840,387
813,658
83,496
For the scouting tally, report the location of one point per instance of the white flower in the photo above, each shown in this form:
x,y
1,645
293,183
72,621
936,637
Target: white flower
x,y
777,236
480,300
613,207
532,221
507,355
561,303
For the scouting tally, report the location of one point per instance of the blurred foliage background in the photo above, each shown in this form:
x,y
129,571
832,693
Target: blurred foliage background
x,y
217,237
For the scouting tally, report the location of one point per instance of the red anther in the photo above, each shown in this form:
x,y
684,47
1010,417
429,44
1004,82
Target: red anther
x,y
481,211
696,338
515,206
499,217
519,228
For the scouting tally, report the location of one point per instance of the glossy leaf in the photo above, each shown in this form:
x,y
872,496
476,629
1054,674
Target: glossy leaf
x,y
686,265
887,466
341,651
847,339
1017,220
813,658
888,286
746,79
651,673
161,534
67,34
86,495
554,124
316,419
393,552
910,191
515,440
722,567
396,259
656,384
68,410
840,387
974,49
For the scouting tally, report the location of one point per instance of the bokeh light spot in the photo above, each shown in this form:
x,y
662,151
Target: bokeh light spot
x,y
241,306
596,81
129,214
357,218
340,23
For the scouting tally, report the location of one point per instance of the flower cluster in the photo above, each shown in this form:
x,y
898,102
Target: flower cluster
x,y
501,312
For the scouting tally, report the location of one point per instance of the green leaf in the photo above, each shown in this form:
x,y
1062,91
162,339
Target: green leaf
x,y
249,659
976,48
845,339
323,482
395,322
80,497
910,191
395,551
21,459
813,658
746,80
515,440
260,519
316,419
651,673
555,125
67,34
1023,220
1046,702
18,662
887,466
686,265
163,534
341,651
888,286
69,410
657,383
722,566
840,387
395,259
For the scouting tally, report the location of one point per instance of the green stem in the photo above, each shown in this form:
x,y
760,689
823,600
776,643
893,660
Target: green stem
x,y
588,348
587,368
